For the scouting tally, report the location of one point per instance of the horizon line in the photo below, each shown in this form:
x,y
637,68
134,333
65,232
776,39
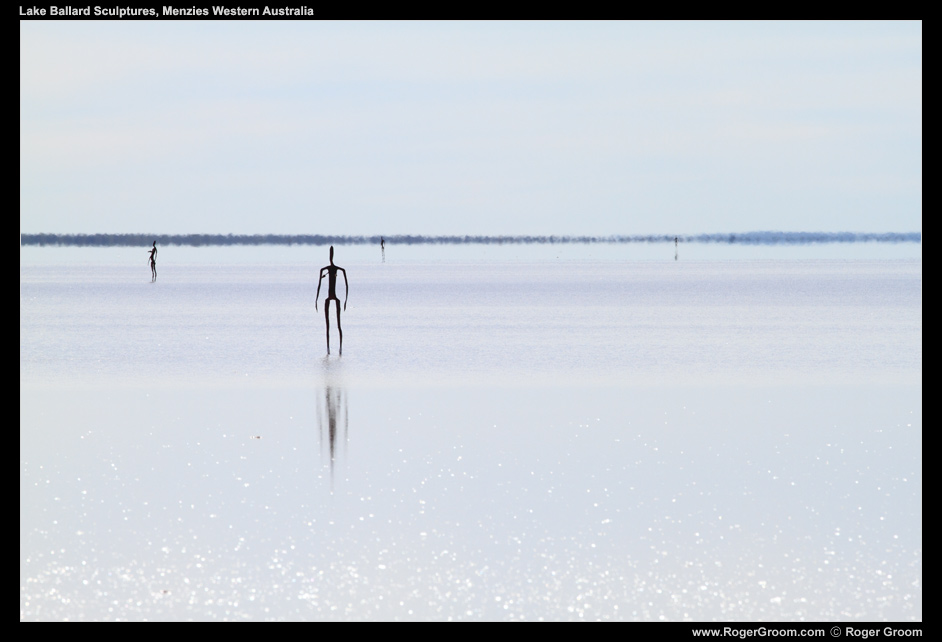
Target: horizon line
x,y
745,238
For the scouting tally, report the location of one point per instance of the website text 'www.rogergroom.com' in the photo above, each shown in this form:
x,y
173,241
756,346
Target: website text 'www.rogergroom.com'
x,y
834,632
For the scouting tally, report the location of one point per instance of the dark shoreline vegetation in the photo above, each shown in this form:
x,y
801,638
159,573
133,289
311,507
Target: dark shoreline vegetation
x,y
746,238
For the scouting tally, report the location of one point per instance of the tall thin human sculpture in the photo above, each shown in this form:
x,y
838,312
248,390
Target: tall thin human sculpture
x,y
331,272
153,262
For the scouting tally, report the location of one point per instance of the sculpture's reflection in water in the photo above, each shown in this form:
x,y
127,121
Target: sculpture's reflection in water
x,y
332,416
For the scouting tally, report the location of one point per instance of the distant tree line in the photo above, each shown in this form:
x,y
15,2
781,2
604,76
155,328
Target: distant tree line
x,y
747,238
802,238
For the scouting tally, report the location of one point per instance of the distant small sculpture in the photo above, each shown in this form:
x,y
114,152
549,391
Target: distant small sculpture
x,y
382,247
675,248
331,272
153,263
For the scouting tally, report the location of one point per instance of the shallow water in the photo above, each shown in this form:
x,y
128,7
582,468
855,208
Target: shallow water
x,y
604,439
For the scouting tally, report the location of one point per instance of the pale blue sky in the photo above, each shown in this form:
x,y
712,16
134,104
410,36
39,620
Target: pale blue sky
x,y
305,127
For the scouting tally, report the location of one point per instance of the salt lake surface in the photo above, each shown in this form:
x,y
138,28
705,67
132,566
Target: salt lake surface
x,y
548,439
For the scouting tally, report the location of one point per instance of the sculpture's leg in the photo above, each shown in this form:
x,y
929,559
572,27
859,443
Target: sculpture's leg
x,y
327,320
339,329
